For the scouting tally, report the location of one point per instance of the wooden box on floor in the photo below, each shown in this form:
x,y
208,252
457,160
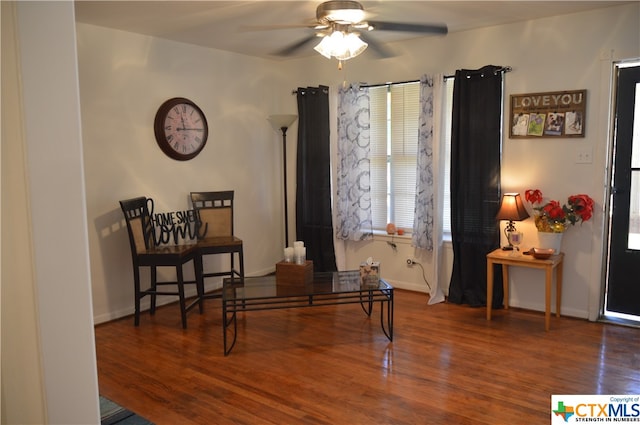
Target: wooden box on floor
x,y
294,274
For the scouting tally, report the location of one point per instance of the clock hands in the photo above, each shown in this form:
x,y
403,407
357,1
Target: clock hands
x,y
184,126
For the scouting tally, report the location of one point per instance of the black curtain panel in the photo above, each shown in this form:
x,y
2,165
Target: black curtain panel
x,y
313,192
475,183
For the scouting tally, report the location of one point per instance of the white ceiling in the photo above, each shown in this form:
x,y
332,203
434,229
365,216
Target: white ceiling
x,y
225,25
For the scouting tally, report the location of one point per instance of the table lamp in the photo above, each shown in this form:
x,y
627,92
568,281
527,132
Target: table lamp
x,y
511,209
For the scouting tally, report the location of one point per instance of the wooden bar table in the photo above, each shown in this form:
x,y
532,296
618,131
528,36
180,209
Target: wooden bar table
x,y
506,258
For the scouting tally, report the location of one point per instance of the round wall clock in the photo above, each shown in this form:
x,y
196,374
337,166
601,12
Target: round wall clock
x,y
181,128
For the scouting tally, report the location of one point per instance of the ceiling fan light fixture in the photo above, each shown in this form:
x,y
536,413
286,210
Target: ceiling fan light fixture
x,y
341,46
353,46
329,43
343,12
362,26
347,16
341,24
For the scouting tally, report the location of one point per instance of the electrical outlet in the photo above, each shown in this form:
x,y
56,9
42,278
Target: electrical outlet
x,y
410,262
584,156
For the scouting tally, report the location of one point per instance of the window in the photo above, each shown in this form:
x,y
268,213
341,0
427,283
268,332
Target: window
x,y
446,158
394,146
395,112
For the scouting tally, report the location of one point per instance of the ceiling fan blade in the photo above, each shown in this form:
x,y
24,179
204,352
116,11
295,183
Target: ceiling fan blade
x,y
405,27
293,48
249,28
380,50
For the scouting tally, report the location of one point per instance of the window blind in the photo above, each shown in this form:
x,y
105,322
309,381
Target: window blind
x,y
378,134
394,144
405,101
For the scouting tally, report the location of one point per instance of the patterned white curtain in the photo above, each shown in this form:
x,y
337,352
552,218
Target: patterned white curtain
x,y
353,199
428,193
422,236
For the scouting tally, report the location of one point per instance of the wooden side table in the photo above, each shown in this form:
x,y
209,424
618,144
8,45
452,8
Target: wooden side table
x,y
506,258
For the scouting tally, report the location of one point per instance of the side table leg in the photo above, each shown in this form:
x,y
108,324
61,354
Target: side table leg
x,y
226,322
366,302
558,288
489,287
388,331
505,286
547,297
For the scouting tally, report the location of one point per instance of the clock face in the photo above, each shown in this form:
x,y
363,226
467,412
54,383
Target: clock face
x,y
181,128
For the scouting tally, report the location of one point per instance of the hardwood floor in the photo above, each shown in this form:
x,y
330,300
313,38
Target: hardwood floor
x,y
333,365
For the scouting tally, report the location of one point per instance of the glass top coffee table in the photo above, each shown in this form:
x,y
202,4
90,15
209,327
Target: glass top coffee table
x,y
332,288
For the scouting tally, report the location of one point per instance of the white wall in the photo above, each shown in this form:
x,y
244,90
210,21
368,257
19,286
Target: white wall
x,y
124,78
50,193
568,52
23,398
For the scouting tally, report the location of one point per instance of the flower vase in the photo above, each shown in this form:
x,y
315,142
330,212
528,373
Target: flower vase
x,y
550,240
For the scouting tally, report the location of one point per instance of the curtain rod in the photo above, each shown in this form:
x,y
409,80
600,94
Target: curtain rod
x,y
503,69
325,89
389,84
446,77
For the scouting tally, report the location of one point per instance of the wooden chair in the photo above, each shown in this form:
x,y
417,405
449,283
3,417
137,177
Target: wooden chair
x,y
146,253
214,212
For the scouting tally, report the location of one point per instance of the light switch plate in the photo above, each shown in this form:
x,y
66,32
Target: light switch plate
x,y
584,156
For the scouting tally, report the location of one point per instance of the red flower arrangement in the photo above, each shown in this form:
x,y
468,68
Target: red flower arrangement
x,y
555,218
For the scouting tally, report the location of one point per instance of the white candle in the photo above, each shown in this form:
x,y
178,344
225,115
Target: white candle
x,y
298,244
300,254
288,255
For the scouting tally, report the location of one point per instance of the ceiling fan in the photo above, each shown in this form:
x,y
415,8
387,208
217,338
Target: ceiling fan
x,y
343,27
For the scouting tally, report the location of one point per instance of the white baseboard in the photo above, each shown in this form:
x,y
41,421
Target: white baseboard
x,y
168,299
568,312
409,286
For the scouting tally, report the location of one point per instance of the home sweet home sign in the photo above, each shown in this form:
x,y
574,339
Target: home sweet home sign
x,y
176,227
550,114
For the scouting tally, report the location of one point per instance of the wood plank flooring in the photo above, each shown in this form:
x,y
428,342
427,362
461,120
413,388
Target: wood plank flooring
x,y
333,365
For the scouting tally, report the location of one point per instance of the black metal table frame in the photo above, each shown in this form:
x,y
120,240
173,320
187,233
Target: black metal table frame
x,y
366,297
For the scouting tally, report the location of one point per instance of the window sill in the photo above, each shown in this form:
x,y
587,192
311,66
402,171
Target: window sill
x,y
379,235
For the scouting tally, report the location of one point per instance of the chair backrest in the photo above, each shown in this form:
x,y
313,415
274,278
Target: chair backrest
x,y
215,212
139,224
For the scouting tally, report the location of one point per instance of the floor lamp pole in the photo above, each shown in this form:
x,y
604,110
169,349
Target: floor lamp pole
x,y
286,203
282,122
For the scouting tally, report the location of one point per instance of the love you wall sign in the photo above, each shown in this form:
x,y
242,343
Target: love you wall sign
x,y
550,114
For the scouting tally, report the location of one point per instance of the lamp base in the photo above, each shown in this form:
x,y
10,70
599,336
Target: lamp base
x,y
508,229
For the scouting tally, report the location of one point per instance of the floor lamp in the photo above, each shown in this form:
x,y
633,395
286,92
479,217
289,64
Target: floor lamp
x,y
282,123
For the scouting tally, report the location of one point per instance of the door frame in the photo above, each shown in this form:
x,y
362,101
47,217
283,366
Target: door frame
x,y
603,316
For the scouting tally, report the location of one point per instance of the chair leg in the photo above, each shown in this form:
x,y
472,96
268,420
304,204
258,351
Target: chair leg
x,y
241,256
232,273
183,307
199,269
136,291
154,287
